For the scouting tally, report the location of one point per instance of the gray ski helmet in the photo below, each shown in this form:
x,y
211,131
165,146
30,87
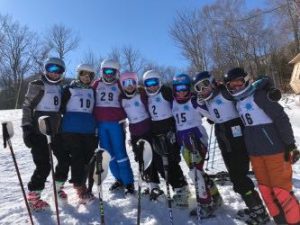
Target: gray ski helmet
x,y
60,66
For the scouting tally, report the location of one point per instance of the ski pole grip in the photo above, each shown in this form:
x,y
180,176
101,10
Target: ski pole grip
x,y
45,125
7,131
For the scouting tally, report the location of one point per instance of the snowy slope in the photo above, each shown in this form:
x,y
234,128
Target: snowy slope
x,y
119,210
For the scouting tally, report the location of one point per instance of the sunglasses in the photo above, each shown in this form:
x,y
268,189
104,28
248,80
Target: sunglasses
x,y
236,82
181,88
53,68
151,82
109,71
128,82
202,84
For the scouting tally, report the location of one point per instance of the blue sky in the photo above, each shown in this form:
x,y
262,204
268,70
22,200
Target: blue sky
x,y
104,24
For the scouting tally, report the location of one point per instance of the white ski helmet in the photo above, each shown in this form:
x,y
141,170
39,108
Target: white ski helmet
x,y
85,67
110,70
151,78
54,65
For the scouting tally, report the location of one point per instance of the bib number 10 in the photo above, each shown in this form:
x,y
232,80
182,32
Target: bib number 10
x,y
86,103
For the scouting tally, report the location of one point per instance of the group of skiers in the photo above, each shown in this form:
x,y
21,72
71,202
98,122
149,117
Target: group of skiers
x,y
250,125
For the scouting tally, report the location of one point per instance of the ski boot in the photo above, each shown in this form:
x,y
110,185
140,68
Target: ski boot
x,y
129,189
206,211
258,216
84,196
154,191
257,211
181,197
117,185
35,202
61,194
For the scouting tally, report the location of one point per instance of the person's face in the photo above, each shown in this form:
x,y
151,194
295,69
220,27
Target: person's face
x,y
236,85
152,85
129,85
85,77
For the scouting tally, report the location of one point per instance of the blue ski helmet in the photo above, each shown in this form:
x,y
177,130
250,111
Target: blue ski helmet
x,y
181,83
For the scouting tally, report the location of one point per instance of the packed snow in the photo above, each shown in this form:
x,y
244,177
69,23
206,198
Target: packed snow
x,y
118,209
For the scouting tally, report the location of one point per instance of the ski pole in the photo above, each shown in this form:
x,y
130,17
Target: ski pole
x,y
143,148
8,132
99,184
209,143
165,157
214,153
102,161
46,129
191,137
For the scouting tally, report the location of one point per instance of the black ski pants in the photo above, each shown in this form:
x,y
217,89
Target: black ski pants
x,y
41,159
235,156
81,148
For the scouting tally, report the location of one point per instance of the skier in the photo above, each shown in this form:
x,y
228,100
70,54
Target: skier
x,y
110,118
134,102
159,105
43,97
270,144
78,127
189,122
221,110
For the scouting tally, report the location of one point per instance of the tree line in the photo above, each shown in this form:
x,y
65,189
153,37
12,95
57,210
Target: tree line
x,y
215,37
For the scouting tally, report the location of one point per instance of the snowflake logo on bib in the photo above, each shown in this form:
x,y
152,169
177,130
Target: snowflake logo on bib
x,y
136,103
158,99
113,88
219,101
249,106
186,108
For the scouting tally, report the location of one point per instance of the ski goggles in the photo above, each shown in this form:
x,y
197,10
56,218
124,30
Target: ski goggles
x,y
53,68
236,82
151,82
181,88
109,71
128,82
201,85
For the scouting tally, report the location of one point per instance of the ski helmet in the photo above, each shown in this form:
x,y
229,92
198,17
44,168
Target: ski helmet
x,y
203,84
110,70
54,65
151,79
237,81
182,84
85,68
129,81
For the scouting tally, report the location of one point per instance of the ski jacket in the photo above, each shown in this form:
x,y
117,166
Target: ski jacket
x,y
77,107
42,99
267,127
137,113
107,106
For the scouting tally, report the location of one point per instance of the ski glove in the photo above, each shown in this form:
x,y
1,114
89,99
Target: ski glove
x,y
291,153
28,135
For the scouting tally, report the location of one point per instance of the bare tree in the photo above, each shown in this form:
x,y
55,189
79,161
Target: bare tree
x,y
61,40
132,59
91,58
16,58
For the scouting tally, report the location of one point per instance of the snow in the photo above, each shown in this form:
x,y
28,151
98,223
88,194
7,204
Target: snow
x,y
118,209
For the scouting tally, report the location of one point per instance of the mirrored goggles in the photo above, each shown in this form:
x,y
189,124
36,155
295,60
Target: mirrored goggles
x,y
109,71
201,85
128,82
53,68
151,82
181,88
